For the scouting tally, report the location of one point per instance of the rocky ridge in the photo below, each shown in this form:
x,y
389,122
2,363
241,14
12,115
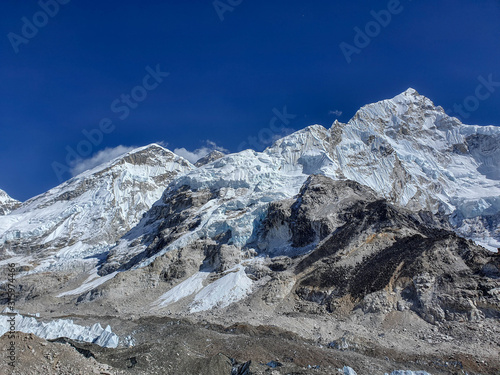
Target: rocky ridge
x,y
7,204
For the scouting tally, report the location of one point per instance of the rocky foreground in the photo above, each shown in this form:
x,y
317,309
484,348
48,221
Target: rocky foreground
x,y
180,347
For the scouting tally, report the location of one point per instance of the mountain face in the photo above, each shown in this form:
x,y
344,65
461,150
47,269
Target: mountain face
x,y
406,149
336,246
384,195
85,215
413,154
364,237
7,204
374,247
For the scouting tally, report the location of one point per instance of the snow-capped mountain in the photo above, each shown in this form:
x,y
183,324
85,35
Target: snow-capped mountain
x,y
358,221
415,155
86,214
406,149
7,204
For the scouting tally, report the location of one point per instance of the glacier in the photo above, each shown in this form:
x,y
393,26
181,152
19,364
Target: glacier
x,y
61,328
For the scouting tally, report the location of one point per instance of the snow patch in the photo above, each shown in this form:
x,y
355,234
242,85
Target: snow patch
x,y
189,286
230,288
93,281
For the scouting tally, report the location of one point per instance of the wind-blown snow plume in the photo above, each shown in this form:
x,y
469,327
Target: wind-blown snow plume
x,y
194,156
99,158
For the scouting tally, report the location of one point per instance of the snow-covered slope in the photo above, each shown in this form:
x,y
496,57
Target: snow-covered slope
x,y
405,148
85,215
416,156
7,204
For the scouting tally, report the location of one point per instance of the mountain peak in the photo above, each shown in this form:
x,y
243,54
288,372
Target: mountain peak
x,y
7,203
93,209
4,196
153,155
411,97
150,147
410,91
210,157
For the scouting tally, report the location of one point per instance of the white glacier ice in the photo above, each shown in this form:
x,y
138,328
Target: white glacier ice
x,y
61,328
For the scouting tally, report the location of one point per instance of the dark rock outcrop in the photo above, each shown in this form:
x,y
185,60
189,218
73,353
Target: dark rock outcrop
x,y
366,253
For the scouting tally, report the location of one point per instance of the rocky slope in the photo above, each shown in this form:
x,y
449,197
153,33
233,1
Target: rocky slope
x,y
376,257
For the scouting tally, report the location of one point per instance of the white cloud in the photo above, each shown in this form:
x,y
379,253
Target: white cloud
x,y
101,157
335,113
194,156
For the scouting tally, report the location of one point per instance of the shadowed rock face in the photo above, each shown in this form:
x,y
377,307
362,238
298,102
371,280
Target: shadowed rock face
x,y
214,155
171,219
372,255
313,215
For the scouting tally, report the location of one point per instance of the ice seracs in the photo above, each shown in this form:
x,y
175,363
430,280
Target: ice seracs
x,y
61,328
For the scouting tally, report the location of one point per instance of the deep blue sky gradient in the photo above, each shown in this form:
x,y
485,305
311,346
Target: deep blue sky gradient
x,y
225,76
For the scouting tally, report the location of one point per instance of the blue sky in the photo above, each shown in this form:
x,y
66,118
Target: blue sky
x,y
231,72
